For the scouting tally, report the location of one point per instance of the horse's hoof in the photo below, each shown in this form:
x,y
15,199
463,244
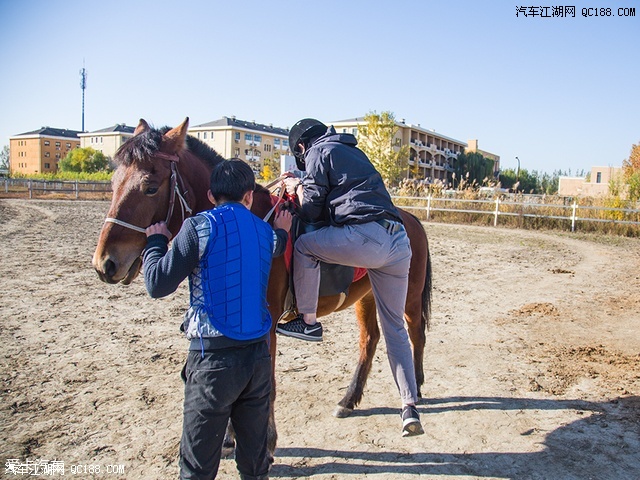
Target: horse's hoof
x,y
342,412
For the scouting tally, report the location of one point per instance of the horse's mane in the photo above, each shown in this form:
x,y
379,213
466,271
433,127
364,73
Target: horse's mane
x,y
146,144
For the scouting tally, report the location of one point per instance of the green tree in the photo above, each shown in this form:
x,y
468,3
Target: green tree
x,y
84,160
525,182
508,178
476,166
4,157
631,172
377,140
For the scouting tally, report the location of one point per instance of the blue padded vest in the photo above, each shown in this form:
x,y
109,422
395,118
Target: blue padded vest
x,y
235,272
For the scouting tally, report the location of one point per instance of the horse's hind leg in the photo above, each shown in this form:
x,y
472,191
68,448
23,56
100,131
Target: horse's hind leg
x,y
369,337
416,329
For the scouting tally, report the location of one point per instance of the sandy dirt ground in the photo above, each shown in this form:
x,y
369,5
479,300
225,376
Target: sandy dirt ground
x,y
532,363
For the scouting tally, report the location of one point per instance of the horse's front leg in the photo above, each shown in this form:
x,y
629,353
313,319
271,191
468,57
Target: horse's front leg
x,y
229,442
369,337
272,433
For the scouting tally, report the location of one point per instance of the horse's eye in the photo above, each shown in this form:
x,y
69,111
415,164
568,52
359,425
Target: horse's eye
x,y
150,190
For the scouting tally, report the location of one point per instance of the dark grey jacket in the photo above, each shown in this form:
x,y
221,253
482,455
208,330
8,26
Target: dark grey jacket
x,y
341,186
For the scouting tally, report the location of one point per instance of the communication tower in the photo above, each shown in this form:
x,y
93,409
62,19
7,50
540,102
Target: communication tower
x,y
83,86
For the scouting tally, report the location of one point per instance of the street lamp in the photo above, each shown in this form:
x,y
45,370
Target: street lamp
x,y
518,170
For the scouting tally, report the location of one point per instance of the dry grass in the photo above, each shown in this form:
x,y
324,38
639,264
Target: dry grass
x,y
609,215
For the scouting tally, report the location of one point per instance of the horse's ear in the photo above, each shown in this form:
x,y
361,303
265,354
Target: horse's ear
x,y
141,128
174,139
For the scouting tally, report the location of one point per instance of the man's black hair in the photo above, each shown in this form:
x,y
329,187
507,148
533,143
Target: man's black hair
x,y
231,179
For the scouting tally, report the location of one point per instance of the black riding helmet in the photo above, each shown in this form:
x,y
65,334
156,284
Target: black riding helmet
x,y
303,131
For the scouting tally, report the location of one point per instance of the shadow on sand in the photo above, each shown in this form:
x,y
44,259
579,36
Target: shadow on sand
x,y
603,445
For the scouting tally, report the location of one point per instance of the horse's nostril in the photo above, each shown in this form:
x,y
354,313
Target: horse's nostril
x,y
109,268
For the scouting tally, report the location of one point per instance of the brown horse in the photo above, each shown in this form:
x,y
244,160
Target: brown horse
x,y
164,175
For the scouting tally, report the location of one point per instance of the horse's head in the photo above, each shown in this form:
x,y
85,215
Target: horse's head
x,y
144,191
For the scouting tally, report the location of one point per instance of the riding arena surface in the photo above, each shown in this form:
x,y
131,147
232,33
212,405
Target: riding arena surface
x,y
532,363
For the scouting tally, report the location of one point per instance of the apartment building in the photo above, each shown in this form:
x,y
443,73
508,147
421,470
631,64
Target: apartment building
x,y
107,140
432,155
252,142
40,151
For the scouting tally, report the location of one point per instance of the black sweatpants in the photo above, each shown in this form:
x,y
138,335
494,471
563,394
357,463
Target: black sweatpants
x,y
230,383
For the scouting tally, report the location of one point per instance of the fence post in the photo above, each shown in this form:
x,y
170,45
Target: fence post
x,y
6,185
428,206
30,190
573,217
76,187
495,215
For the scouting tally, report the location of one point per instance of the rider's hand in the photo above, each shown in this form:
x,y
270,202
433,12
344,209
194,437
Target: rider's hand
x,y
291,185
158,228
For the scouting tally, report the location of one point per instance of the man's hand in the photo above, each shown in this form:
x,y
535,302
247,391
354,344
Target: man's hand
x,y
158,228
283,220
291,185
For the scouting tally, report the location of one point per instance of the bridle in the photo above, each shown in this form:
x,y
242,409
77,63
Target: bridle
x,y
176,184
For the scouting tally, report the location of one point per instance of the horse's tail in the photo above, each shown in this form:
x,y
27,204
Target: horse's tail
x,y
426,291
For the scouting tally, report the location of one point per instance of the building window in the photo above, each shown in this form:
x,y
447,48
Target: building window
x,y
204,135
236,153
68,145
47,165
46,143
46,154
58,144
248,137
257,138
276,142
599,177
285,143
267,147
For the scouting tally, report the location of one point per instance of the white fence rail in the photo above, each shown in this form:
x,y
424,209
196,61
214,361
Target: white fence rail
x,y
495,208
501,208
42,187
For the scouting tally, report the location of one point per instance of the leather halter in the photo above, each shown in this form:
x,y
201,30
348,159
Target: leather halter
x,y
174,190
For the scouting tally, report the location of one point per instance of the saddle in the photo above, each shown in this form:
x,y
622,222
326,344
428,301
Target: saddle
x,y
334,279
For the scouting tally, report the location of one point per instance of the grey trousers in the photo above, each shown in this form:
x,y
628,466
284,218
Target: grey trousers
x,y
387,257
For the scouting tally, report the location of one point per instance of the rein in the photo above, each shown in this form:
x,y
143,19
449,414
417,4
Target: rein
x,y
174,191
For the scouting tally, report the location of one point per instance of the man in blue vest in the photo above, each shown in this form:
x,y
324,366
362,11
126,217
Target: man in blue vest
x,y
226,254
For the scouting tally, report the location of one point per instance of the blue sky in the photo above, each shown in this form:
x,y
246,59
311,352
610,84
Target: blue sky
x,y
558,93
